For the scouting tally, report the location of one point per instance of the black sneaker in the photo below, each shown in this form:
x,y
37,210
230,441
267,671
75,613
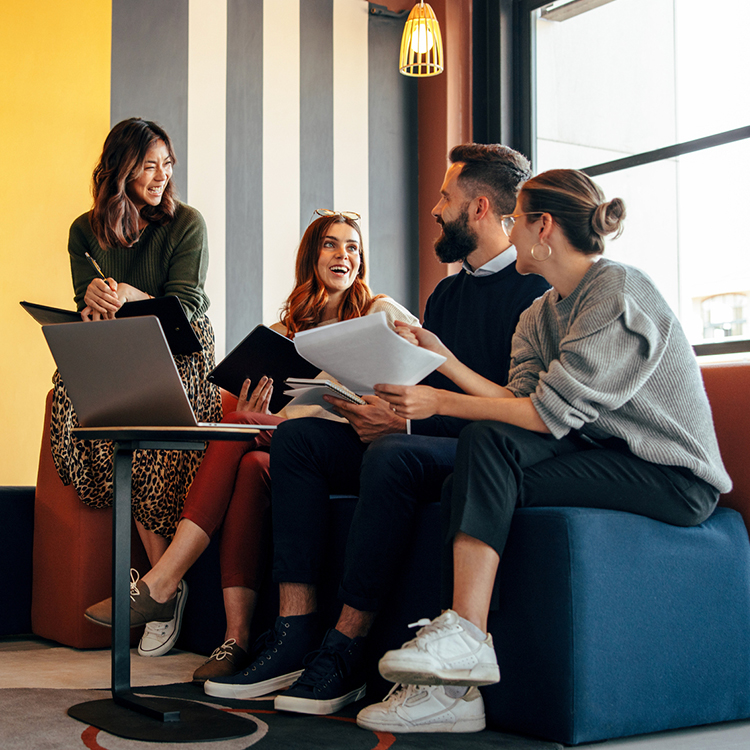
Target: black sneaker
x,y
278,660
333,677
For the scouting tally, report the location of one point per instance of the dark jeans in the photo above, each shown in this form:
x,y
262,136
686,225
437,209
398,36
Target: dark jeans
x,y
312,459
500,467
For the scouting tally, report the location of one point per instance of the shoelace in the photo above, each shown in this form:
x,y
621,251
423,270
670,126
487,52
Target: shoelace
x,y
424,622
158,629
426,628
134,584
224,651
401,693
265,645
323,664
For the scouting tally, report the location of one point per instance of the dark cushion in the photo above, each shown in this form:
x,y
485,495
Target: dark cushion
x,y
16,541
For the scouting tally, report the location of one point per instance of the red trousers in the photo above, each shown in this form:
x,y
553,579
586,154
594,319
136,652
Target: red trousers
x,y
232,490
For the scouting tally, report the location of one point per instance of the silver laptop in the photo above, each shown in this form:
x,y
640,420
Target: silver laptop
x,y
120,373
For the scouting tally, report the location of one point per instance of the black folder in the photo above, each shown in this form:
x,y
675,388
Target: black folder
x,y
177,329
262,352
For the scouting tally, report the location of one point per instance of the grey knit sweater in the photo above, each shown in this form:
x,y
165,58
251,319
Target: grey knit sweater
x,y
611,360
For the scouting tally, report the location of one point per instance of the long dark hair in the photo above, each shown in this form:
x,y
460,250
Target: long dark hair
x,y
115,218
304,307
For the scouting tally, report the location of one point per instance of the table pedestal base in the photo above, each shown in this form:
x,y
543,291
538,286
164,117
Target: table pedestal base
x,y
137,718
125,714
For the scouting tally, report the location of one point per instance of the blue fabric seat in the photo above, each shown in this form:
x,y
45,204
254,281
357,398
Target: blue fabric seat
x,y
612,624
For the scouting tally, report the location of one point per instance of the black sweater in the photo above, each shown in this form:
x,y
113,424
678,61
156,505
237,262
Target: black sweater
x,y
475,317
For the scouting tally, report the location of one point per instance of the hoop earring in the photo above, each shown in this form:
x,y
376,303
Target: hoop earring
x,y
546,257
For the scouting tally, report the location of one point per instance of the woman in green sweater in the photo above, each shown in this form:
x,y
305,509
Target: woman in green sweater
x,y
147,245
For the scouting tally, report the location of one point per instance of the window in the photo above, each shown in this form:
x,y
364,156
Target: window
x,y
645,96
724,315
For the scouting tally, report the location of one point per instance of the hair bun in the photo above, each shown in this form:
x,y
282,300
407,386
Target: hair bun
x,y
607,218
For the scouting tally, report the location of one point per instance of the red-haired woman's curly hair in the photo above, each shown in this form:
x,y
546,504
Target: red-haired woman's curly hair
x,y
306,304
115,218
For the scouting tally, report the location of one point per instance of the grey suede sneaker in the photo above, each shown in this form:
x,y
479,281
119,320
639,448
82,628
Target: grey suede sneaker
x,y
143,608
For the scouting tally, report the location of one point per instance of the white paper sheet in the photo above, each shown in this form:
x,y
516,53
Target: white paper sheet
x,y
364,351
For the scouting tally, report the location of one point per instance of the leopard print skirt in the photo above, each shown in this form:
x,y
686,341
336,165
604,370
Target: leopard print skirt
x,y
161,479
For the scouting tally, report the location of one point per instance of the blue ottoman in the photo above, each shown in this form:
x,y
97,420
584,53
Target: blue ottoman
x,y
612,624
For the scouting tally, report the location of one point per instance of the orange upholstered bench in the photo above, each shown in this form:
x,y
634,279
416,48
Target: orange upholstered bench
x,y
72,559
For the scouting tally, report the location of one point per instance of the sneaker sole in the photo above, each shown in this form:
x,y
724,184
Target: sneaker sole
x,y
463,726
317,707
105,624
168,645
413,674
254,690
231,670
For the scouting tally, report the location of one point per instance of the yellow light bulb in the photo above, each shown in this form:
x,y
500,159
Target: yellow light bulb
x,y
421,39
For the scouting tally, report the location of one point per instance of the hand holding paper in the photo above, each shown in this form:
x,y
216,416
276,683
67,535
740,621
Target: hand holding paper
x,y
423,338
364,351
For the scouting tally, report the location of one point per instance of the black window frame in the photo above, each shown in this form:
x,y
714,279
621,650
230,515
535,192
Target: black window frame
x,y
504,102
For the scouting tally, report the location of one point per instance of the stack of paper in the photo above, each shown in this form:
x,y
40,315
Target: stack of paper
x,y
364,351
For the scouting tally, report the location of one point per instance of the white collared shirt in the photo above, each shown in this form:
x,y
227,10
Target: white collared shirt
x,y
503,260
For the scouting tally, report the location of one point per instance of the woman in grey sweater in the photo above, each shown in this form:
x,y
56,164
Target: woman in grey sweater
x,y
604,408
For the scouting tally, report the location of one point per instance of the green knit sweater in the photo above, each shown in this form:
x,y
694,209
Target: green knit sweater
x,y
171,259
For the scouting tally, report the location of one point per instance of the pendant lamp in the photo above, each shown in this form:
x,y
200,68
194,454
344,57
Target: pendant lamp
x,y
421,44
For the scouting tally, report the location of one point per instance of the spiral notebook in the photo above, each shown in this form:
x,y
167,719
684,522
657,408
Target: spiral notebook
x,y
311,391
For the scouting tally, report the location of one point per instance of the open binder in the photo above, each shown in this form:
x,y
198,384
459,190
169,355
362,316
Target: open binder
x,y
179,333
262,352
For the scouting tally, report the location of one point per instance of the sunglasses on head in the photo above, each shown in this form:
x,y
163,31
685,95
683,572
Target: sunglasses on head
x,y
327,212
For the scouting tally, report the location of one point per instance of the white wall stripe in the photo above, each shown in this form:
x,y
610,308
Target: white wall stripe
x,y
350,110
207,77
281,151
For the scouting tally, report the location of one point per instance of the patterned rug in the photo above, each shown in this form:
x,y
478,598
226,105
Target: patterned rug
x,y
37,719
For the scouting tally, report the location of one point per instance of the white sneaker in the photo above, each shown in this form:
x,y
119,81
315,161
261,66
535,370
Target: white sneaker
x,y
424,708
443,653
160,637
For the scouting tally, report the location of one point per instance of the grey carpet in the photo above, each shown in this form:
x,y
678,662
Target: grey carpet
x,y
36,719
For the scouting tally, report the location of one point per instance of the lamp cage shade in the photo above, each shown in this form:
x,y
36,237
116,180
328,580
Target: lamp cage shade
x,y
421,44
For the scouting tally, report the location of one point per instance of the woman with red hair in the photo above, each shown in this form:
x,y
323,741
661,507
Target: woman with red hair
x,y
232,488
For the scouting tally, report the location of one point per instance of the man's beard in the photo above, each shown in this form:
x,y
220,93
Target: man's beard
x,y
457,240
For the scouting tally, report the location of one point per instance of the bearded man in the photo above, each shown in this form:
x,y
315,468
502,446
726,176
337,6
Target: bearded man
x,y
393,467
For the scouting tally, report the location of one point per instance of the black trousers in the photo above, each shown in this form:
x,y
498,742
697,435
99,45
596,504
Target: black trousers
x,y
312,459
500,467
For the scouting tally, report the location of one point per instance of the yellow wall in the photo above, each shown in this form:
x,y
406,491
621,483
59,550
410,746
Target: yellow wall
x,y
54,116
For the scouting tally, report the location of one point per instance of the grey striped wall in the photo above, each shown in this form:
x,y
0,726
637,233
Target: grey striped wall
x,y
276,107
